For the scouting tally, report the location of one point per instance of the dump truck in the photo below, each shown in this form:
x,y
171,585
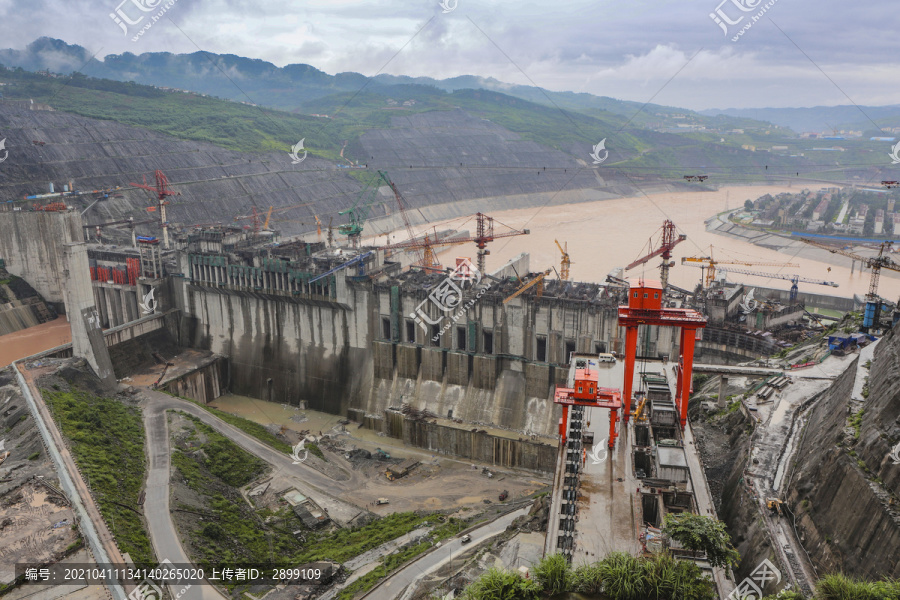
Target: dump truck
x,y
504,495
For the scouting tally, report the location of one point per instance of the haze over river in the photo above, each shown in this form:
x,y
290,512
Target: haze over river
x,y
612,233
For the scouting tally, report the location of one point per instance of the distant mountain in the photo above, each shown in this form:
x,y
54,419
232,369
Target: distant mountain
x,y
295,87
818,118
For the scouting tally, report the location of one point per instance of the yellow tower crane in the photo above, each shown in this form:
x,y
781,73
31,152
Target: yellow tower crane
x,y
565,262
709,264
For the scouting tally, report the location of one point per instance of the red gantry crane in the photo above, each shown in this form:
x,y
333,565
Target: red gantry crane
x,y
645,308
162,191
668,239
587,392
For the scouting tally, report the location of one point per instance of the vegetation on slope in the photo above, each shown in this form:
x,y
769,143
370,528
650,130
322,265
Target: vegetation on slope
x,y
619,576
107,441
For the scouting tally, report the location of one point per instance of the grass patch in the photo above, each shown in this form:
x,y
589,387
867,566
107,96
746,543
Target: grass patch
x,y
347,543
247,426
34,456
107,442
856,420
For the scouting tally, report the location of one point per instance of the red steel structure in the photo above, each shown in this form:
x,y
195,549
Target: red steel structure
x,y
587,392
668,239
162,190
645,308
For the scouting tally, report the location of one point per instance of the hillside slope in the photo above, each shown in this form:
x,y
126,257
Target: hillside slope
x,y
843,483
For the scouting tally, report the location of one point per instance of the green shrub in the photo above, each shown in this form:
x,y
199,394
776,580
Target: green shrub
x,y
553,573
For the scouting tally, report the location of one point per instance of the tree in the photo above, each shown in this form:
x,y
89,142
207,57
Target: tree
x,y
748,204
702,534
497,584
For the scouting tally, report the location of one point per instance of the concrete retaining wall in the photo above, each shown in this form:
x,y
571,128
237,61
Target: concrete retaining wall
x,y
473,445
203,385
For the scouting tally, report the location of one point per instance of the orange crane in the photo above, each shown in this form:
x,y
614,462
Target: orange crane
x,y
485,234
875,263
668,239
537,280
709,263
162,191
426,244
565,262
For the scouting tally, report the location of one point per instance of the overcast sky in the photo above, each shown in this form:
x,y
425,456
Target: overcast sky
x,y
826,52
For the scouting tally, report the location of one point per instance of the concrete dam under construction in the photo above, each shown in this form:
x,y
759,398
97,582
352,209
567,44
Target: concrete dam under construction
x,y
368,379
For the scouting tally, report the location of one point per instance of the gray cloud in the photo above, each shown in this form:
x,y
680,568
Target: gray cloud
x,y
628,50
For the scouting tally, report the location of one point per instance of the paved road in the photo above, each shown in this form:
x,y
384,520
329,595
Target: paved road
x,y
321,488
162,531
393,586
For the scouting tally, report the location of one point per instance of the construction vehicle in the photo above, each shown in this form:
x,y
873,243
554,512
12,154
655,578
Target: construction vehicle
x,y
640,414
774,505
709,263
872,314
668,239
504,495
465,539
565,262
381,454
381,501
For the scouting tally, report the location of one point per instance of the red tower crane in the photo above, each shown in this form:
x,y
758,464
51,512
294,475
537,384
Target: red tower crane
x,y
668,239
485,233
645,308
162,191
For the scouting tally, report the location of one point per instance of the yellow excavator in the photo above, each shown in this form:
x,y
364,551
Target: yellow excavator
x,y
774,504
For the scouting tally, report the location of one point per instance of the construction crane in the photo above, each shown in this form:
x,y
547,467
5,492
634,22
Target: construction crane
x,y
426,243
875,263
565,262
162,191
129,221
709,264
359,212
537,280
794,279
401,204
668,239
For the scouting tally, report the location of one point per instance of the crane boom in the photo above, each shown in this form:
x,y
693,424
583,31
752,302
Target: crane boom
x,y
668,239
401,203
565,261
709,263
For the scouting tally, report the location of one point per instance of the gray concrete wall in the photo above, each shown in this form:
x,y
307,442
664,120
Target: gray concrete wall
x,y
32,243
87,336
476,445
204,384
